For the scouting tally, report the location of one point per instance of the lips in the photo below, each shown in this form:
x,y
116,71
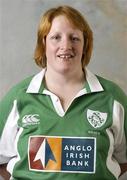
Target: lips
x,y
65,56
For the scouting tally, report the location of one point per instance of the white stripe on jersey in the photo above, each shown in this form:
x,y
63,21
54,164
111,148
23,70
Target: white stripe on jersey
x,y
112,164
7,149
120,143
15,159
117,139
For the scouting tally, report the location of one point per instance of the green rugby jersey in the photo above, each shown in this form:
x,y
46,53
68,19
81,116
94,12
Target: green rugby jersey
x,y
39,140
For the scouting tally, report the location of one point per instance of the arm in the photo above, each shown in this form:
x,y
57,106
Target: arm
x,y
8,130
3,172
123,168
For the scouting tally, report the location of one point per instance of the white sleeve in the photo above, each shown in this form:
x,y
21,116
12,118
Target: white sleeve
x,y
7,139
120,144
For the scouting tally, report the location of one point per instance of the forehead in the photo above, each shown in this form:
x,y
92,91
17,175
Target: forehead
x,y
61,18
62,23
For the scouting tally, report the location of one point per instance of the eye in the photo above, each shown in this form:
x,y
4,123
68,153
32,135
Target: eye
x,y
75,39
56,37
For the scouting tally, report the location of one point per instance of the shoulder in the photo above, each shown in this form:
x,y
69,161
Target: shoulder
x,y
22,85
113,90
8,101
16,89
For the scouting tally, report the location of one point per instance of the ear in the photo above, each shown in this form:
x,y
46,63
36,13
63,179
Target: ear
x,y
44,40
85,46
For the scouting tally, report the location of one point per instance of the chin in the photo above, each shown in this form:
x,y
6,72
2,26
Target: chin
x,y
64,70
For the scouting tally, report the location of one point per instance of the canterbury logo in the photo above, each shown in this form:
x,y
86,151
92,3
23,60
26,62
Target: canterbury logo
x,y
30,119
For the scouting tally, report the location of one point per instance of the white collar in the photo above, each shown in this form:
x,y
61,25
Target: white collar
x,y
92,80
94,84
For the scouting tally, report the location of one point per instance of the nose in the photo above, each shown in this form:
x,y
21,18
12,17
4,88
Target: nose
x,y
66,44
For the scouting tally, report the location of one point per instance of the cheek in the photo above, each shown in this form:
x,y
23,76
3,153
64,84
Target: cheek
x,y
49,49
50,46
80,49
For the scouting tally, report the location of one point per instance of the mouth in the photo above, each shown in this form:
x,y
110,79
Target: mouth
x,y
65,56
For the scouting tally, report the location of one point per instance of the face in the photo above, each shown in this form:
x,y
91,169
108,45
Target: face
x,y
64,46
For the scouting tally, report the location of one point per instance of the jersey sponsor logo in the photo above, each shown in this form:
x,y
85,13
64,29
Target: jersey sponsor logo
x,y
96,119
62,154
30,119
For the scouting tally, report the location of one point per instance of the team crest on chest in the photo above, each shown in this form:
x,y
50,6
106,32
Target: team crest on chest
x,y
96,119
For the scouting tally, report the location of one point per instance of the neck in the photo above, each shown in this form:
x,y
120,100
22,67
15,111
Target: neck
x,y
65,86
57,79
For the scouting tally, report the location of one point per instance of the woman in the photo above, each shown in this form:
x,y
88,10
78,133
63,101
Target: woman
x,y
65,122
